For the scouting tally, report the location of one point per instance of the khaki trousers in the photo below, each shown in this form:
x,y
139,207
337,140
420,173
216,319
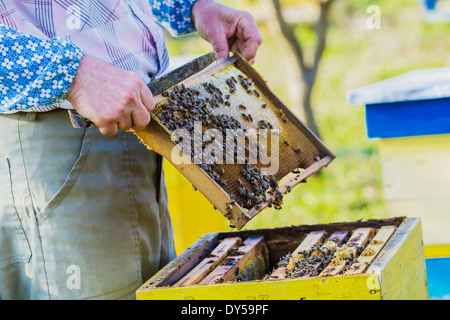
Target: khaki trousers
x,y
82,215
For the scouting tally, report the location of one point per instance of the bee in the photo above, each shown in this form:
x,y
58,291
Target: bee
x,y
273,182
286,143
264,105
297,150
256,93
247,117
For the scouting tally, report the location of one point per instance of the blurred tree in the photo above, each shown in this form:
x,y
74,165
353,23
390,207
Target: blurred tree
x,y
308,70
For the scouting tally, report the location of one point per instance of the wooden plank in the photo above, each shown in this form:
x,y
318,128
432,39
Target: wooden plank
x,y
312,239
341,288
335,240
359,238
249,249
425,156
423,194
210,262
372,250
403,255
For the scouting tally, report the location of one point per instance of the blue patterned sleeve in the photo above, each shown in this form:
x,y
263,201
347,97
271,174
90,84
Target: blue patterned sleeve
x,y
34,73
174,15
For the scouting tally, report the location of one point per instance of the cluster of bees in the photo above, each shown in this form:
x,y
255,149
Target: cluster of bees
x,y
260,186
309,259
314,260
186,105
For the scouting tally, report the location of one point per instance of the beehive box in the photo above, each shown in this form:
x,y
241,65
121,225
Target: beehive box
x,y
389,264
410,117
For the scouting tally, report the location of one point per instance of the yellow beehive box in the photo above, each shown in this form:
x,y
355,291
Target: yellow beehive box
x,y
397,272
416,182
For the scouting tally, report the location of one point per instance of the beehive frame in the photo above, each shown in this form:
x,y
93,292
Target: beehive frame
x,y
316,157
402,255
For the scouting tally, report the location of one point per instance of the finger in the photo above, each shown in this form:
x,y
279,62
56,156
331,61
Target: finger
x,y
249,50
109,130
249,44
248,37
147,98
240,47
220,45
125,123
140,117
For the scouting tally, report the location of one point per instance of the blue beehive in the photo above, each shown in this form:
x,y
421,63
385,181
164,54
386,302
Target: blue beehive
x,y
413,104
430,4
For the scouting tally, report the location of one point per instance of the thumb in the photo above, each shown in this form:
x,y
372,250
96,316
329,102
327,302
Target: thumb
x,y
220,45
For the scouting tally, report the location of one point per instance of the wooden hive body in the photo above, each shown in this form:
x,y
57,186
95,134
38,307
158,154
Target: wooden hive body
x,y
401,255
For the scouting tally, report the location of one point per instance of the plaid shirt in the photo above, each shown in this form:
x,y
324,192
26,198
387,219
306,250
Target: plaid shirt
x,y
43,41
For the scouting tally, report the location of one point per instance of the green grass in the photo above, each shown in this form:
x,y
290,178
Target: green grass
x,y
350,188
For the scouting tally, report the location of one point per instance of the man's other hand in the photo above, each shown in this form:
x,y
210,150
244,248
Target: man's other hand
x,y
227,29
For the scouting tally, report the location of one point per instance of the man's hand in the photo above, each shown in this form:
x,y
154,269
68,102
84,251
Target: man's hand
x,y
226,29
111,98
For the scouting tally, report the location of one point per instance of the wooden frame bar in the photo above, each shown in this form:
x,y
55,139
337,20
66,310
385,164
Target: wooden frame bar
x,y
250,248
360,237
372,250
210,262
312,239
337,238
